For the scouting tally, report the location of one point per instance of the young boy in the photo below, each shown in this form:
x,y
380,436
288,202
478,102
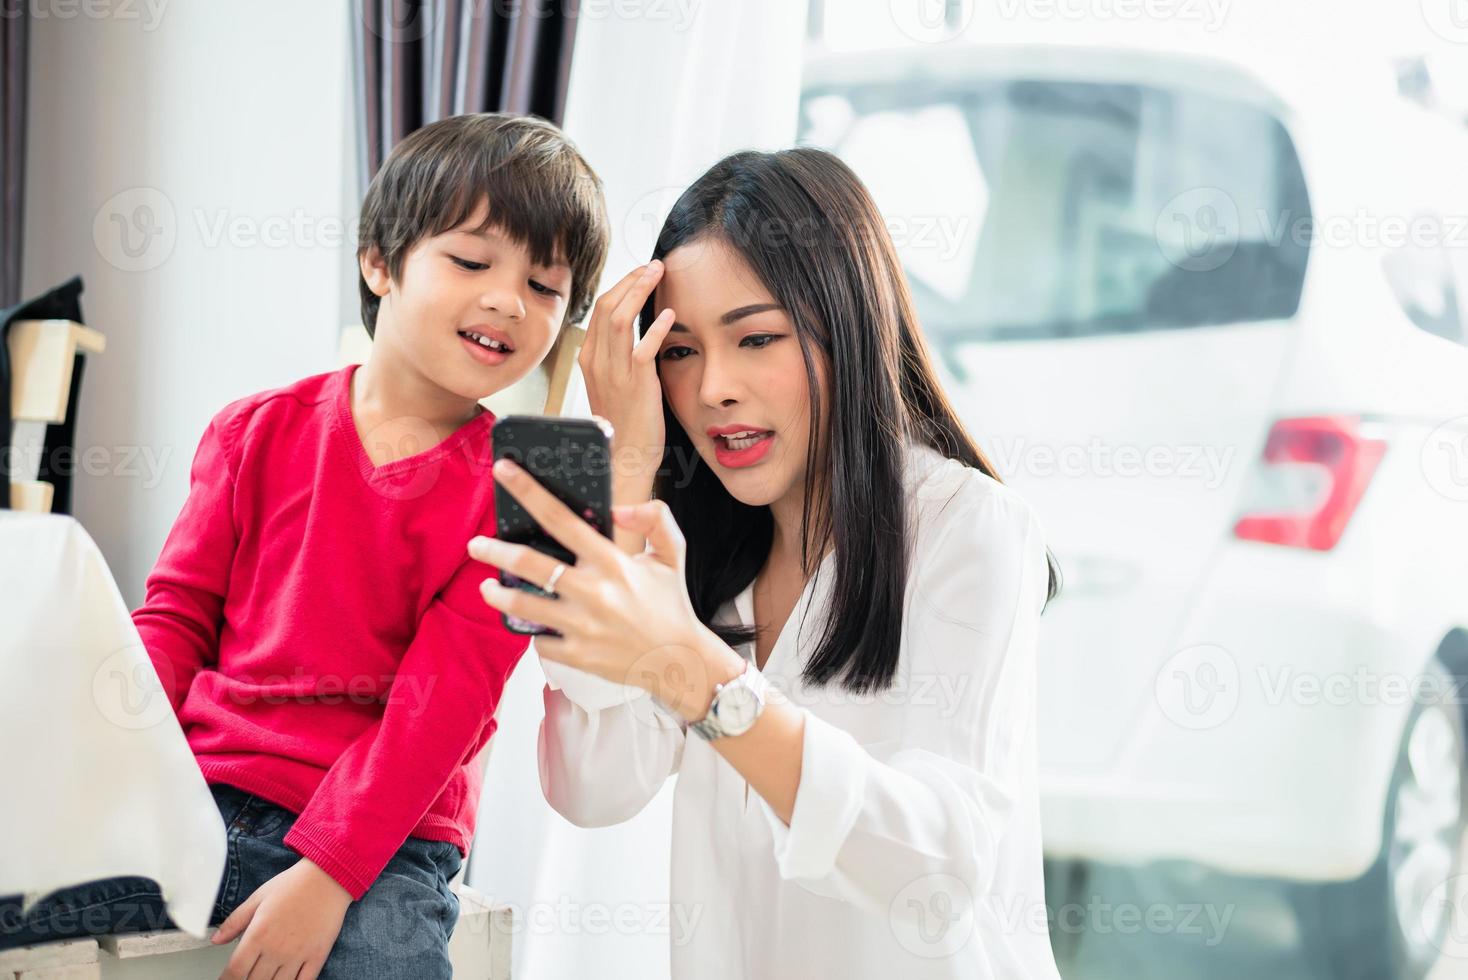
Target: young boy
x,y
314,617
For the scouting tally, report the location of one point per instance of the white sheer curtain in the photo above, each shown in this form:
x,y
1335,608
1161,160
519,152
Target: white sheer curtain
x,y
659,92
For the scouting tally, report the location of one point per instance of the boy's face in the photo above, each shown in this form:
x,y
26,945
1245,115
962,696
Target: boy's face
x,y
461,286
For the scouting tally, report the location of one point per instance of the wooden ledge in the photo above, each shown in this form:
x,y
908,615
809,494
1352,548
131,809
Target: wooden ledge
x,y
33,496
42,354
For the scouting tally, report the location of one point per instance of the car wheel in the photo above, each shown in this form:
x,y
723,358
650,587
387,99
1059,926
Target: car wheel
x,y
1394,920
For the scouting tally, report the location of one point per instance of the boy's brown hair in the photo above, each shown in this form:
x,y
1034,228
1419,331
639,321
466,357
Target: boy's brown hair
x,y
541,192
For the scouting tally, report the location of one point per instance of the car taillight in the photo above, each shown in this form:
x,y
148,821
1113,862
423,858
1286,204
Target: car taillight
x,y
1310,480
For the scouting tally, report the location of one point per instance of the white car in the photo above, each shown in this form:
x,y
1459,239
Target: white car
x,y
1209,314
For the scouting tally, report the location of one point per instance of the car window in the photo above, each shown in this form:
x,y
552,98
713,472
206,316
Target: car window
x,y
1067,209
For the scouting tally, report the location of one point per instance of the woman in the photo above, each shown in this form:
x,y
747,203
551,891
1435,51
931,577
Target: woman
x,y
834,614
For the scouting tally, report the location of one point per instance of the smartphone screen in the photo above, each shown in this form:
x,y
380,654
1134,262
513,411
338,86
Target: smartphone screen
x,y
572,459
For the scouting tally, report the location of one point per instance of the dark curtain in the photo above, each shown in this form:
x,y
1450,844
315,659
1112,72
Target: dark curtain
x,y
13,29
13,26
417,61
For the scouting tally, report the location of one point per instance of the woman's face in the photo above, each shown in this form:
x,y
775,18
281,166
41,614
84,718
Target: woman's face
x,y
732,363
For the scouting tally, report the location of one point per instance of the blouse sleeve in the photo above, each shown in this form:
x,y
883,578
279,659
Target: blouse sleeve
x,y
605,748
869,821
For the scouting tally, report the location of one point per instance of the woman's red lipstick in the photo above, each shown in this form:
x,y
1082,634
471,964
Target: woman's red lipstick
x,y
746,456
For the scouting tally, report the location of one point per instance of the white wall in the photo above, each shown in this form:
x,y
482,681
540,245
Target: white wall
x,y
205,112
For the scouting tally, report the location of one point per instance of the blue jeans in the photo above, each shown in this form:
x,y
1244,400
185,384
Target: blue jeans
x,y
399,929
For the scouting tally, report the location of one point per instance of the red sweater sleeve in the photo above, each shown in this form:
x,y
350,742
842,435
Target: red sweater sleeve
x,y
181,613
437,718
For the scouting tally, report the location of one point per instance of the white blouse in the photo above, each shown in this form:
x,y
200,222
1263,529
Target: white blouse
x,y
914,847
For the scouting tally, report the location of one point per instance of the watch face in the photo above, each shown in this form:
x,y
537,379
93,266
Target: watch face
x,y
738,708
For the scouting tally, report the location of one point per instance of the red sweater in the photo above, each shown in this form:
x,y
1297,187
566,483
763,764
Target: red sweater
x,y
319,630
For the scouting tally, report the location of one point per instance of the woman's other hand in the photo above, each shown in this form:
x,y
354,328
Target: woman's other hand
x,y
622,387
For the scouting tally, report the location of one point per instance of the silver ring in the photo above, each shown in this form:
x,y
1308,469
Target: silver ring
x,y
555,576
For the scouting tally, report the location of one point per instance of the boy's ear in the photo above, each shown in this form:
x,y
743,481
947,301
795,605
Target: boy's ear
x,y
374,270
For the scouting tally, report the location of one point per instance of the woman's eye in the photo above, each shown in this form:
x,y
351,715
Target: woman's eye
x,y
674,354
543,289
466,264
763,338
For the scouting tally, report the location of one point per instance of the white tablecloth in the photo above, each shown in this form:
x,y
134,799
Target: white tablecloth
x,y
96,779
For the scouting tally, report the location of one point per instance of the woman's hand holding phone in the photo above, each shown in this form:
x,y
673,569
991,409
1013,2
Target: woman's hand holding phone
x,y
622,387
623,617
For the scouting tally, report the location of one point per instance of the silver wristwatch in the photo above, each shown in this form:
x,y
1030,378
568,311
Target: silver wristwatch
x,y
736,705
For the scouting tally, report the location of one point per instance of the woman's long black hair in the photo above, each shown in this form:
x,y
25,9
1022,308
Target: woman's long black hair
x,y
812,234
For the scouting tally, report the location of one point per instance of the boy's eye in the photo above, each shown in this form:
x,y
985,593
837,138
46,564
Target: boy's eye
x,y
674,353
543,289
466,264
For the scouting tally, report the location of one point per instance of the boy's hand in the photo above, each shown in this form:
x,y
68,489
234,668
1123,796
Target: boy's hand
x,y
290,924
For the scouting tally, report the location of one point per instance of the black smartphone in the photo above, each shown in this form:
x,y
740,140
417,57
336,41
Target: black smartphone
x,y
572,458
